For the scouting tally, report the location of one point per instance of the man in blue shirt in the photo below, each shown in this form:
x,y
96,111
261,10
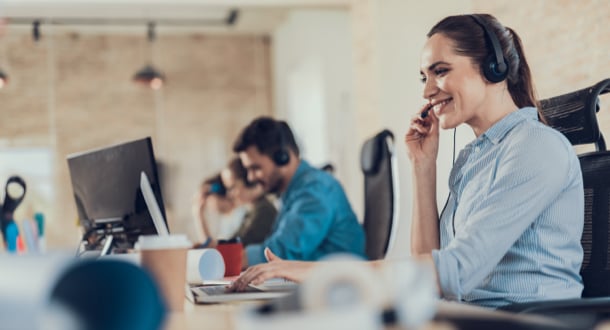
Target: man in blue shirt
x,y
315,217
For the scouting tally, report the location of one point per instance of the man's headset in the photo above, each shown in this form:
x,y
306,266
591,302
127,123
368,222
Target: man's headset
x,y
281,156
269,128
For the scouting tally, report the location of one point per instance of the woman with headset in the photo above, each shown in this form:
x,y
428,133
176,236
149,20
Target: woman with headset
x,y
510,230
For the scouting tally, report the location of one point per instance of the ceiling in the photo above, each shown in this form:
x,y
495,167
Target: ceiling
x,y
170,16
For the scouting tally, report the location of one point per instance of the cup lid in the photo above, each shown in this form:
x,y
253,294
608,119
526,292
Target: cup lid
x,y
157,242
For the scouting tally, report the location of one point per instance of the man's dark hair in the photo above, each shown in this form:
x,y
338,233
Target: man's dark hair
x,y
239,172
267,135
330,168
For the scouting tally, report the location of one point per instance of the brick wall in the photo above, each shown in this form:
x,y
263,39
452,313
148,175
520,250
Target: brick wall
x,y
567,43
73,92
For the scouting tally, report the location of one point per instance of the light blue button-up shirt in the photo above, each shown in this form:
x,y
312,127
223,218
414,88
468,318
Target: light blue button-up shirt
x,y
315,220
512,225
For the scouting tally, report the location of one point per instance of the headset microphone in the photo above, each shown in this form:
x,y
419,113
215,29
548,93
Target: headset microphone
x,y
425,113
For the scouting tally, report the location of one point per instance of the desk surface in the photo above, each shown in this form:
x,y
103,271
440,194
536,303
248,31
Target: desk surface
x,y
221,316
216,316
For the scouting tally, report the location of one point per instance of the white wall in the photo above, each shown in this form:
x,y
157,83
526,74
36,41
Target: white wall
x,y
399,29
312,72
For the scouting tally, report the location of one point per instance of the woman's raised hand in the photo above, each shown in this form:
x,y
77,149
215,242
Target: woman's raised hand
x,y
422,137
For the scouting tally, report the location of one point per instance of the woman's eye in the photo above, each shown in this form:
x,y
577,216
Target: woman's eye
x,y
422,79
440,72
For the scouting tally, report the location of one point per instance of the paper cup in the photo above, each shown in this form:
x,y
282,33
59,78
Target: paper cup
x,y
165,258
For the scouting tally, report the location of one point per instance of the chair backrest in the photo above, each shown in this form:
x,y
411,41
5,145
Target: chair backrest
x,y
574,114
595,269
378,164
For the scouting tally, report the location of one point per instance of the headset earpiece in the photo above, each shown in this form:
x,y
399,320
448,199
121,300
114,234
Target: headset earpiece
x,y
493,71
281,157
494,67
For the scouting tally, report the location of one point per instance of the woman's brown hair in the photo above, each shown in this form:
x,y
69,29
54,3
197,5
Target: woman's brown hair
x,y
470,40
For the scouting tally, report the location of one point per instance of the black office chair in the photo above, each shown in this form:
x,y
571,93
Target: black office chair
x,y
574,114
595,269
378,164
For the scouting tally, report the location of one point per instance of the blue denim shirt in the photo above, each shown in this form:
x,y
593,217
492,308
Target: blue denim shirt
x,y
315,220
511,229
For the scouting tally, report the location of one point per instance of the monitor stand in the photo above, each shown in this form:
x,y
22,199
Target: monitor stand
x,y
106,249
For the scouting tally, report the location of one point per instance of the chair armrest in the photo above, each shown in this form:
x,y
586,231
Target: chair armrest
x,y
601,304
582,313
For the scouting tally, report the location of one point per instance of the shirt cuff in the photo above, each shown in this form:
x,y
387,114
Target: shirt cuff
x,y
204,244
255,254
448,274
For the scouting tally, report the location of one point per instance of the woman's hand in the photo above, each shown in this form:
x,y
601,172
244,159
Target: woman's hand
x,y
422,137
295,271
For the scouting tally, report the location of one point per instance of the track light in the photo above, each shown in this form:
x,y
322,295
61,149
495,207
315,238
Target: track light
x,y
149,75
3,78
36,30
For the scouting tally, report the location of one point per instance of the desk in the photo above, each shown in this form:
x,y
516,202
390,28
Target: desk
x,y
220,316
209,317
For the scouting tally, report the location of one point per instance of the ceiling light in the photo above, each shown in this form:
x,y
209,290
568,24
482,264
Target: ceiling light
x,y
149,75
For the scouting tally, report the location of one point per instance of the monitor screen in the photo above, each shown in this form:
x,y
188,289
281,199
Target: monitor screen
x,y
106,185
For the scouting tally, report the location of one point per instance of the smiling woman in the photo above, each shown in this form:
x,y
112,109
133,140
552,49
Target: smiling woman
x,y
508,216
510,231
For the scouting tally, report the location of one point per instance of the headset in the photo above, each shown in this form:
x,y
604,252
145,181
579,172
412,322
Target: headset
x,y
267,127
494,67
281,156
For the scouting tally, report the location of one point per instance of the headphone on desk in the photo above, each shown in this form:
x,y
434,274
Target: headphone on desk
x,y
494,67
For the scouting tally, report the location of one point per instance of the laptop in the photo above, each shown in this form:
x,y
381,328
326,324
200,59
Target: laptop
x,y
216,292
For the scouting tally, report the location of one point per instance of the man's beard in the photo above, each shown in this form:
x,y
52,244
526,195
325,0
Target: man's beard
x,y
275,183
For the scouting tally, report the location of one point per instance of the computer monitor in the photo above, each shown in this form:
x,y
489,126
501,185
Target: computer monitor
x,y
109,201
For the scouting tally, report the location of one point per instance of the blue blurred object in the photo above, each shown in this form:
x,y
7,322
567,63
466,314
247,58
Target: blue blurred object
x,y
218,189
39,217
10,236
110,294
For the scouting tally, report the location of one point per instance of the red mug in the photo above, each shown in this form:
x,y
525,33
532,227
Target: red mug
x,y
231,252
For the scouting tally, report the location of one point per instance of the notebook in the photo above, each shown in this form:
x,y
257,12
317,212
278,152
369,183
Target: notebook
x,y
217,292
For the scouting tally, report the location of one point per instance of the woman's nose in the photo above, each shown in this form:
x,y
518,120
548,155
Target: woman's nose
x,y
430,88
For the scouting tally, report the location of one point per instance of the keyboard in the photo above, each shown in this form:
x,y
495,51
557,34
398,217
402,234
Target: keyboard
x,y
213,290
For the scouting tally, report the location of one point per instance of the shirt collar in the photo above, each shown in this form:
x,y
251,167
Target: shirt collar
x,y
301,170
498,131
